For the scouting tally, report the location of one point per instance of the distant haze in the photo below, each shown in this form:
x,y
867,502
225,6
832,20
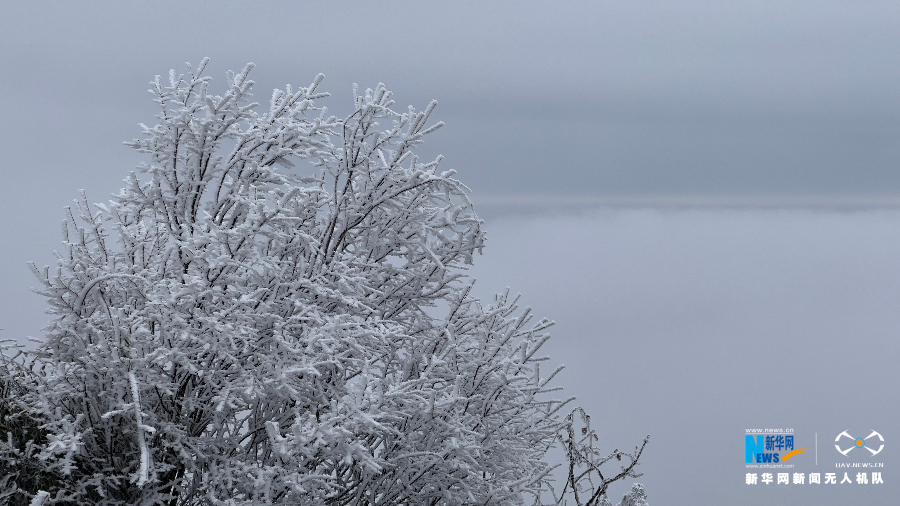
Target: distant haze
x,y
695,325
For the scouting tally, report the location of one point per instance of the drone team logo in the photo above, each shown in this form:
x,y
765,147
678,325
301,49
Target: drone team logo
x,y
858,443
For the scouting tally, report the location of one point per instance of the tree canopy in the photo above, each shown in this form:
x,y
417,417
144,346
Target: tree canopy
x,y
274,310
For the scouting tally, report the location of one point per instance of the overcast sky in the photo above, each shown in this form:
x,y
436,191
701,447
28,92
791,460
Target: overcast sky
x,y
708,129
588,98
694,325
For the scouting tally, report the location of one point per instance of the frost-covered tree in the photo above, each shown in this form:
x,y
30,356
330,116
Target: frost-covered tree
x,y
237,328
22,436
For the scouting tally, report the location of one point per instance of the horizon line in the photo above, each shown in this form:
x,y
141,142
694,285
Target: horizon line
x,y
858,201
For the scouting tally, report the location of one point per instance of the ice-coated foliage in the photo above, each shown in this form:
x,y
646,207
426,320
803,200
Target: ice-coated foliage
x,y
22,472
275,312
635,497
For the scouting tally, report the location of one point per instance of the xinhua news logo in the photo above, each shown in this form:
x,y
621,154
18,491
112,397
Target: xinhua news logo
x,y
844,447
771,448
